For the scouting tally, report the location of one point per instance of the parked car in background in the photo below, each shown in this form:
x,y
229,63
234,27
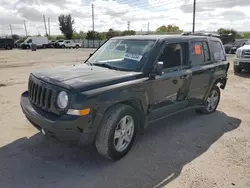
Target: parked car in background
x,y
59,43
70,44
40,42
231,48
228,47
51,44
242,60
18,43
128,83
6,43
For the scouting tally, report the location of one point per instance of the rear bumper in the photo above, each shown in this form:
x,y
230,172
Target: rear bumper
x,y
65,128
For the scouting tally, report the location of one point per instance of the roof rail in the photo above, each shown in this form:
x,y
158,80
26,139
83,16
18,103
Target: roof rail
x,y
201,34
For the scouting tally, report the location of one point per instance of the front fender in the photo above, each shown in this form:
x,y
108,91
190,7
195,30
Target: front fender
x,y
101,99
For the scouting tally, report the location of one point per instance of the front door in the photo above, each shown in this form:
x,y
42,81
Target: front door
x,y
202,71
169,91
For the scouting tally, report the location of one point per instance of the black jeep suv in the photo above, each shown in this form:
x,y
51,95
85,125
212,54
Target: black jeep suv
x,y
125,85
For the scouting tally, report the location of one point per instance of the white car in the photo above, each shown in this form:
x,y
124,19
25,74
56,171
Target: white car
x,y
242,60
70,44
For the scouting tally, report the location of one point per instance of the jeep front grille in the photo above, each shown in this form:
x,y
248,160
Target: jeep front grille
x,y
42,95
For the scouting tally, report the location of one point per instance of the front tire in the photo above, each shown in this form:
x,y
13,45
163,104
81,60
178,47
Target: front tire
x,y
237,69
117,132
211,102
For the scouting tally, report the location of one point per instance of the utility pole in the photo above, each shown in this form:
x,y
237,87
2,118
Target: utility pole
x,y
49,26
45,25
25,28
194,10
128,25
11,30
93,18
148,27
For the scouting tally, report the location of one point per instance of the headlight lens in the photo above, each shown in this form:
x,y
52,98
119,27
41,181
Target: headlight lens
x,y
238,53
62,100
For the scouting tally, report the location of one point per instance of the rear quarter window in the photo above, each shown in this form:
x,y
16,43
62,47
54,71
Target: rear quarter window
x,y
217,51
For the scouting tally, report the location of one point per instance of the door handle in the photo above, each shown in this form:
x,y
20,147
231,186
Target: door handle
x,y
185,76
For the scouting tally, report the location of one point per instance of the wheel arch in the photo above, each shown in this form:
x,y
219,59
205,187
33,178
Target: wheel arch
x,y
221,82
134,103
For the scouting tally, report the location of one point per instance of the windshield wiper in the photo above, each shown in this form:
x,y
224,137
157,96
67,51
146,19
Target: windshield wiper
x,y
105,65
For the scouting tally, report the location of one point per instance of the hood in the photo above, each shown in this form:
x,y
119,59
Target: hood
x,y
84,77
245,47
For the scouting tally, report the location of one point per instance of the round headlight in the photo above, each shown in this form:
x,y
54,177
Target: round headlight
x,y
62,100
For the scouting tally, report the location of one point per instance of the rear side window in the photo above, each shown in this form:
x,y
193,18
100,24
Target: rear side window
x,y
200,53
218,51
197,54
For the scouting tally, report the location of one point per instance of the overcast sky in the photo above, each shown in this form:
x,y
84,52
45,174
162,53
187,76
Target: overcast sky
x,y
211,14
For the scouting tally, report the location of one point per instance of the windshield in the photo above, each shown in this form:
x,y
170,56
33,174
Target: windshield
x,y
123,54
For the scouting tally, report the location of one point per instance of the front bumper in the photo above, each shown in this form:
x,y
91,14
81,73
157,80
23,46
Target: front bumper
x,y
65,128
244,63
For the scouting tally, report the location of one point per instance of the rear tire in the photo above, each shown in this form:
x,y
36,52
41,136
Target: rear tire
x,y
63,46
117,132
237,69
77,46
211,102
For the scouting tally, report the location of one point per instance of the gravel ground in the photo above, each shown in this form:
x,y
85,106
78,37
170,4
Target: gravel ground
x,y
184,151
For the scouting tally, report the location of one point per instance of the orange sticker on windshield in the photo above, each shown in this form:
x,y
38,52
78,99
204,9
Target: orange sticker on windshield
x,y
197,49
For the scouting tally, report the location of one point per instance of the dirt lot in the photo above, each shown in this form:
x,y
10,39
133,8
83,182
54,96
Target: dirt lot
x,y
184,151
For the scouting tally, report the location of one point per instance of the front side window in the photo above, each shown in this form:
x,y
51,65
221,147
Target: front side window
x,y
29,41
123,54
218,51
172,55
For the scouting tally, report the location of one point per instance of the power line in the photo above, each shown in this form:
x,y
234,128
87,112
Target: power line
x,y
171,8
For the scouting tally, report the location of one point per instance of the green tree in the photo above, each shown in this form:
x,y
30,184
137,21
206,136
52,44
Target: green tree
x,y
75,35
93,35
66,25
15,37
169,28
59,37
246,35
82,35
126,32
228,35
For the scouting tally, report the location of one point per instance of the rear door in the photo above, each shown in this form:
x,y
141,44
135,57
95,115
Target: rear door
x,y
202,70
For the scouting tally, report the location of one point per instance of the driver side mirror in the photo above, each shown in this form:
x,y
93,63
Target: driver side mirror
x,y
90,54
159,68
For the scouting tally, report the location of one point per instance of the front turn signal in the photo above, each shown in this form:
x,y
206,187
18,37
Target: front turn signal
x,y
82,112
